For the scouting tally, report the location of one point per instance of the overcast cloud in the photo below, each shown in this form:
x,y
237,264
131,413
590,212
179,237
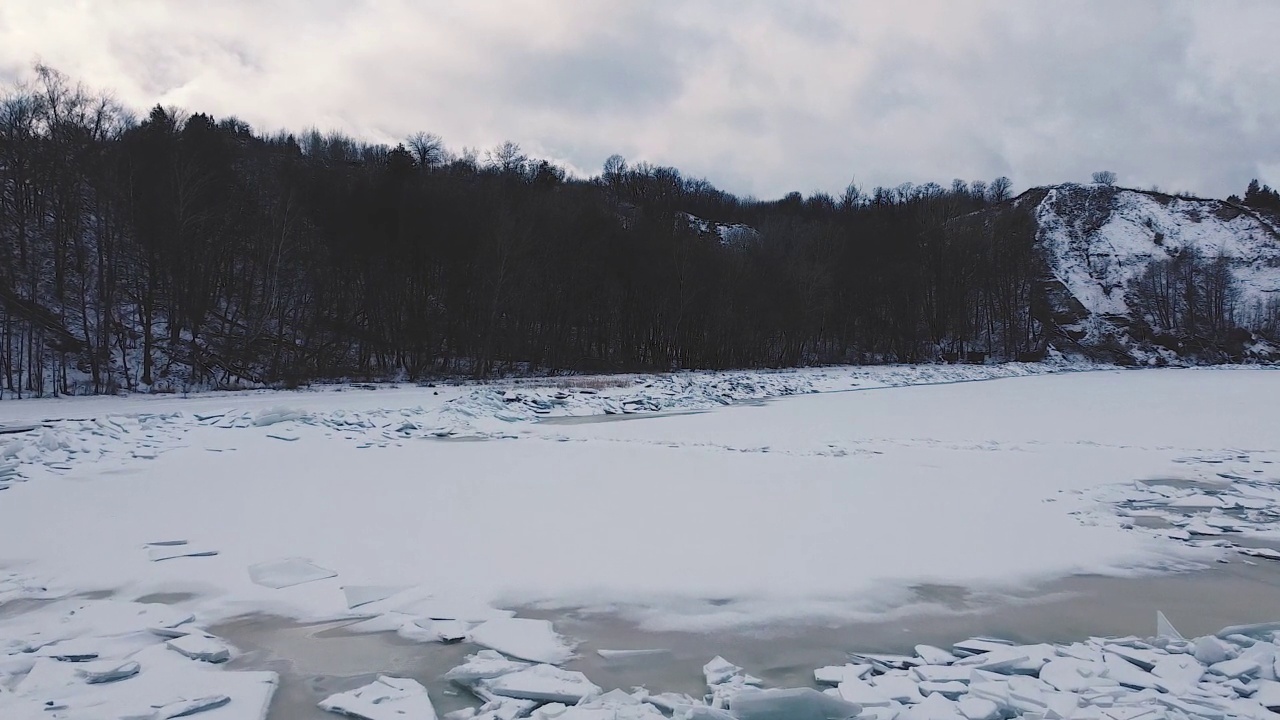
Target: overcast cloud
x,y
759,97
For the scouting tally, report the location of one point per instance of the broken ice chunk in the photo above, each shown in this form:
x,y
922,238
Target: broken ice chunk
x,y
613,705
974,708
670,702
446,631
978,645
934,707
1211,650
791,704
75,650
543,683
482,666
719,671
497,707
1258,630
1144,659
1133,712
1238,668
1197,501
1128,674
934,655
1165,629
700,712
888,662
942,673
156,553
836,674
1073,675
1200,527
200,646
1003,660
105,671
524,638
951,690
860,692
1177,674
1027,695
358,595
632,654
185,708
901,689
387,698
881,713
287,572
1267,553
1268,695
277,415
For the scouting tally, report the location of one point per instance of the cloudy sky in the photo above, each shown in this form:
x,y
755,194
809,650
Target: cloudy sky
x,y
760,97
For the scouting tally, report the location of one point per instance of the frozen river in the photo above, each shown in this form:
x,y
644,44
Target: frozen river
x,y
781,534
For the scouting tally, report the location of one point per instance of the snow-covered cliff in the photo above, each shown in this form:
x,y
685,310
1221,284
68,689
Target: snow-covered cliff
x,y
1154,275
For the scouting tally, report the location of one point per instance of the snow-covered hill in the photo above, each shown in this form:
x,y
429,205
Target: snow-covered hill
x,y
1152,275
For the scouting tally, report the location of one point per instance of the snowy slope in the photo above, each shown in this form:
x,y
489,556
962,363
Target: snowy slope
x,y
1097,241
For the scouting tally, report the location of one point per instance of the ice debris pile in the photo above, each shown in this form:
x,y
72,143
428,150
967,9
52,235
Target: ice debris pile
x,y
492,411
1239,502
58,444
1233,674
691,391
486,411
103,659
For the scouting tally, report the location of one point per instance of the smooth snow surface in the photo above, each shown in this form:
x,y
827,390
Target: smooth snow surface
x,y
828,504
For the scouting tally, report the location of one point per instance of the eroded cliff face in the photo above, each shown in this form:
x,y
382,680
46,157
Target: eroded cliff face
x,y
1144,277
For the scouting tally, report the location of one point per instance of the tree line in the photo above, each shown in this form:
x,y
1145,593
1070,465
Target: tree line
x,y
179,250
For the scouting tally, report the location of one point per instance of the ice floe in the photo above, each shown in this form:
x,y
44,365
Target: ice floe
x,y
386,698
836,674
523,638
288,572
791,704
201,646
613,705
632,654
543,683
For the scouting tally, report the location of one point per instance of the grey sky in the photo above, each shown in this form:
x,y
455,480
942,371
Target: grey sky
x,y
759,97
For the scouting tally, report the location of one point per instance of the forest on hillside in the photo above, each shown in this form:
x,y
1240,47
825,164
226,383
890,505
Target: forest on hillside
x,y
177,250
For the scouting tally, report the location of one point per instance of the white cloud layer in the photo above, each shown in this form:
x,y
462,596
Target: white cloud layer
x,y
760,97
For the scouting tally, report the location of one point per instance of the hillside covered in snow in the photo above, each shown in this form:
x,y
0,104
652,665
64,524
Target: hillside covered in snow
x,y
1148,277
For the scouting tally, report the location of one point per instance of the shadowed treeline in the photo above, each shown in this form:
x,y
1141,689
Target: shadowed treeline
x,y
187,251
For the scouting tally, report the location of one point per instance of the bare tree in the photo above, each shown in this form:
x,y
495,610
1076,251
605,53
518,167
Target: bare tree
x,y
428,149
1104,177
1000,189
614,166
507,159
